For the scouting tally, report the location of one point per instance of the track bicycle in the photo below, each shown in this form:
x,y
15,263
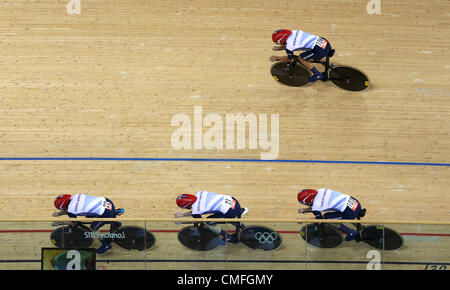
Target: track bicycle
x,y
78,235
198,237
327,235
343,76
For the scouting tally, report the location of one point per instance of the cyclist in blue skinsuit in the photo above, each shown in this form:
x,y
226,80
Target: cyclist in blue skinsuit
x,y
336,205
90,207
314,47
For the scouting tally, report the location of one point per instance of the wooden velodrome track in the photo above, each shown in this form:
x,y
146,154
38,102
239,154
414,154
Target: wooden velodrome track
x,y
107,82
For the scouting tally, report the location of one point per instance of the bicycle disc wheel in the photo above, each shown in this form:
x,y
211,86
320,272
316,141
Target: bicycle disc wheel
x,y
321,235
134,238
381,238
348,78
199,239
260,238
295,76
72,237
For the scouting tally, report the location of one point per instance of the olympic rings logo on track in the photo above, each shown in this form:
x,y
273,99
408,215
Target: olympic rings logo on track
x,y
266,237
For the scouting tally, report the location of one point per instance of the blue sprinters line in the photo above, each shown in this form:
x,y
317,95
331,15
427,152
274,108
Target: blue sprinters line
x,y
220,160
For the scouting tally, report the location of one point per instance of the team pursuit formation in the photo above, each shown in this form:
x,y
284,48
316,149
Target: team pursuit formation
x,y
204,236
291,70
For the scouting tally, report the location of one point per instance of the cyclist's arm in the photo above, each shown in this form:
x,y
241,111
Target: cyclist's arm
x,y
305,210
317,214
179,214
63,212
59,213
279,58
279,47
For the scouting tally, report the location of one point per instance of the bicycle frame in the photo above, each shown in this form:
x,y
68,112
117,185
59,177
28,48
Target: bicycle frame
x,y
324,73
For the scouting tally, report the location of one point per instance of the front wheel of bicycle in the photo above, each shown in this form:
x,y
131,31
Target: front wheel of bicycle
x,y
381,238
290,74
77,236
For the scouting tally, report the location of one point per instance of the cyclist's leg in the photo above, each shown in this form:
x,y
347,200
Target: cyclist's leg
x,y
316,53
310,66
109,213
351,233
214,226
235,212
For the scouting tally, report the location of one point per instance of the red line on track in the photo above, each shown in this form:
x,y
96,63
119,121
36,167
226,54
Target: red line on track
x,y
425,234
